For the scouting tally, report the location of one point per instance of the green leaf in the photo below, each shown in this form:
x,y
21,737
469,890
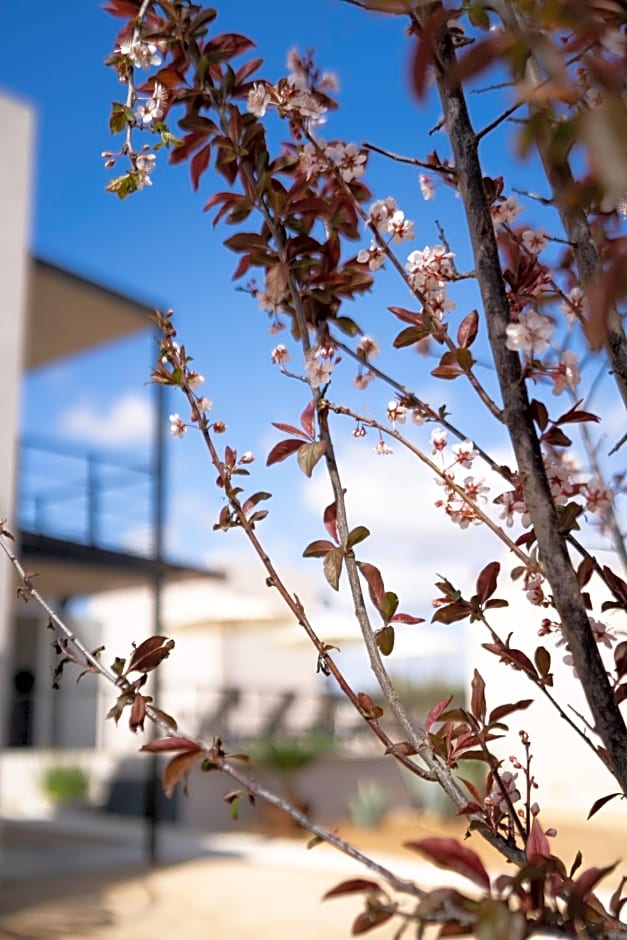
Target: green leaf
x,y
385,639
388,605
309,455
123,186
356,535
120,117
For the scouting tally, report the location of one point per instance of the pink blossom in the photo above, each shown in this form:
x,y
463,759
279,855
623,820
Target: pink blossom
x,y
506,211
464,453
535,240
367,347
397,413
280,355
426,187
496,797
572,306
374,256
382,449
439,439
566,374
400,228
363,379
318,371
598,496
530,334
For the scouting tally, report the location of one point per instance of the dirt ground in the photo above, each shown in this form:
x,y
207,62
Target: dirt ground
x,y
272,892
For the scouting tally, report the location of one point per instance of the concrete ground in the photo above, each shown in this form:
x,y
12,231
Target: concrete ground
x,y
84,876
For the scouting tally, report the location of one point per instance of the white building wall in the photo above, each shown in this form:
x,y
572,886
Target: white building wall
x,y
570,776
16,141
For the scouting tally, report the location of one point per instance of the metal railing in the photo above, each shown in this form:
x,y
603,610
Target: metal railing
x,y
69,492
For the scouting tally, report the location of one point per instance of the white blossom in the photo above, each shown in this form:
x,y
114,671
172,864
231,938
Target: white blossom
x,y
177,426
258,99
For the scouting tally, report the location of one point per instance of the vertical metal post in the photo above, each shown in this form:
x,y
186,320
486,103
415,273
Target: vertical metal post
x,y
153,783
92,499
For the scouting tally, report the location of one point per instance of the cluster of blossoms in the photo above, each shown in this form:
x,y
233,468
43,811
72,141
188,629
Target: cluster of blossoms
x,y
367,348
399,410
301,94
288,97
385,216
497,798
153,108
273,299
597,497
460,510
600,631
530,335
429,270
348,159
141,55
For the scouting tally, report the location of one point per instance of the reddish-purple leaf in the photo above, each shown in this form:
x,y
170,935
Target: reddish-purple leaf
x,y
198,165
436,711
178,768
585,571
352,886
406,618
589,878
542,659
282,450
138,713
374,582
537,843
307,419
246,241
451,613
539,413
600,803
486,582
329,517
289,429
501,711
477,697
150,653
468,328
318,549
368,920
368,707
449,853
170,743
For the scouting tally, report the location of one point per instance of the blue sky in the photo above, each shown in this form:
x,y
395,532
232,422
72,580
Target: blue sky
x,y
159,246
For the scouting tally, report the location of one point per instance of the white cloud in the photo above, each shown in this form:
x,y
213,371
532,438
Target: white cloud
x,y
411,540
127,420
